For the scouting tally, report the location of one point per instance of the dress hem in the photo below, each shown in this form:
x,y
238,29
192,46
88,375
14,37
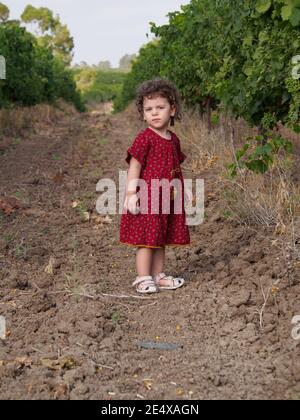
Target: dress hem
x,y
150,246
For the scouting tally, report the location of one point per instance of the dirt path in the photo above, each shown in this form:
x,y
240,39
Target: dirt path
x,y
63,345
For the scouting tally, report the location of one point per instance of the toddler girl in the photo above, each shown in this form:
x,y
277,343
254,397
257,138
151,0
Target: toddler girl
x,y
155,155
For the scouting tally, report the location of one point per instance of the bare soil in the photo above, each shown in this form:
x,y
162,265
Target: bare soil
x,y
73,319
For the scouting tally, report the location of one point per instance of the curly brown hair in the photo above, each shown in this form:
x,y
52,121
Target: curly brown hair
x,y
161,87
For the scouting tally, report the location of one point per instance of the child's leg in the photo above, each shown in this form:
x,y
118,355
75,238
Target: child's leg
x,y
144,261
168,282
144,282
158,261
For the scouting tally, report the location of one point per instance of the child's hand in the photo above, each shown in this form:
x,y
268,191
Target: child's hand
x,y
131,204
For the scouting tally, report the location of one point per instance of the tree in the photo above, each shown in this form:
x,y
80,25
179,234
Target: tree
x,y
53,34
237,55
35,75
104,65
83,64
4,12
125,63
188,58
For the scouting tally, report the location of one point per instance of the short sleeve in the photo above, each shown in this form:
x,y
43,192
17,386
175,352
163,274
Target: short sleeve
x,y
139,149
181,155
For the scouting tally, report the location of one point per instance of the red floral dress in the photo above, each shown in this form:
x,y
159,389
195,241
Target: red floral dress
x,y
160,159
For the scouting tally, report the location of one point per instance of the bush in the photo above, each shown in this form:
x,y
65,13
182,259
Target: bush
x,y
33,74
98,85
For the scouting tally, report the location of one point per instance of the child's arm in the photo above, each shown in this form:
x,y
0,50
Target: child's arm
x,y
133,176
136,158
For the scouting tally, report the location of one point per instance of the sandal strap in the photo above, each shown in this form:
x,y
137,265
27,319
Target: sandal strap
x,y
175,280
143,279
164,276
159,276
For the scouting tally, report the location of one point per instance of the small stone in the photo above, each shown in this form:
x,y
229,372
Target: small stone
x,y
224,308
249,334
193,258
81,389
240,298
63,327
224,344
217,381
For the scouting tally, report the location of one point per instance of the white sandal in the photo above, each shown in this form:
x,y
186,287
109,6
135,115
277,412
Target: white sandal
x,y
145,284
175,281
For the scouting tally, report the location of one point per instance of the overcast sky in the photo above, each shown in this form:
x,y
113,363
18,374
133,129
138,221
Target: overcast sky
x,y
104,29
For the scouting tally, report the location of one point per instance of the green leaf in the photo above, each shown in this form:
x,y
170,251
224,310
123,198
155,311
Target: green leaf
x,y
248,40
240,153
291,12
259,138
286,12
288,147
277,65
248,70
262,6
4,12
232,170
296,128
263,36
263,150
257,166
295,18
276,143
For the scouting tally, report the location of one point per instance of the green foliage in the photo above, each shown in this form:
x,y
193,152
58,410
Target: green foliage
x,y
125,63
4,12
237,56
291,11
33,74
65,85
215,118
104,65
54,35
261,156
265,60
98,85
287,10
268,121
22,84
296,128
263,5
191,51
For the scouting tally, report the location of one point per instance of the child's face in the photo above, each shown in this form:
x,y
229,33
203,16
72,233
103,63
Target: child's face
x,y
157,112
